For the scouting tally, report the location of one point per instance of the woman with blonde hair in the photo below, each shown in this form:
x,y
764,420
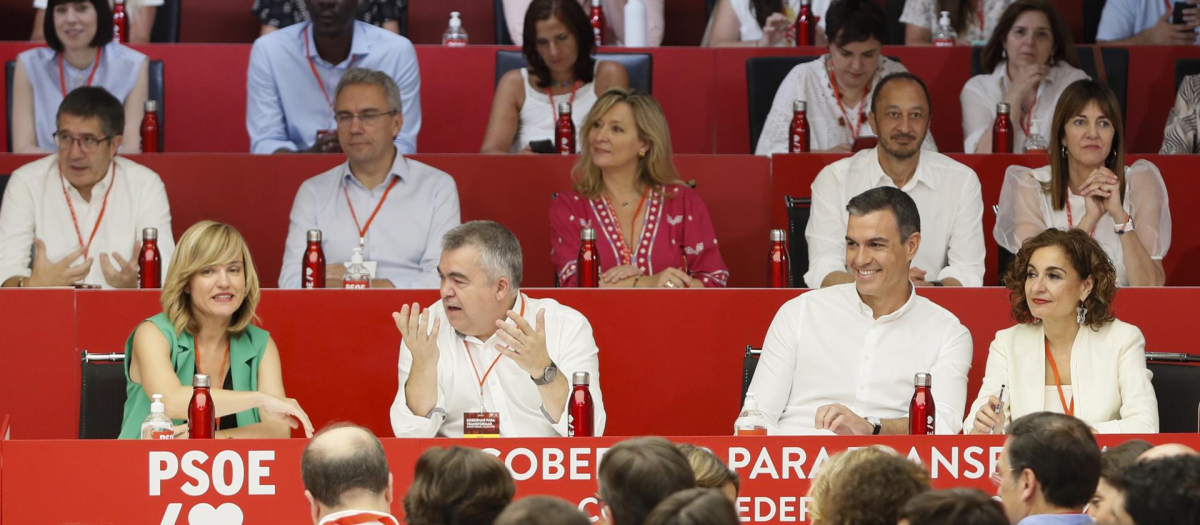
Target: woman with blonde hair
x,y
652,230
710,471
208,298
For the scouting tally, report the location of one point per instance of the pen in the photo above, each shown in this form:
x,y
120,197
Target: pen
x,y
999,405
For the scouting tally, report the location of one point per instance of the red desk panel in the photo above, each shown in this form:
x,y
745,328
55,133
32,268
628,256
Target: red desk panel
x,y
38,364
259,481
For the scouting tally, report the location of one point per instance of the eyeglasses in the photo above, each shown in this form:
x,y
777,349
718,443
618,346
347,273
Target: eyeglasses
x,y
998,476
368,119
87,143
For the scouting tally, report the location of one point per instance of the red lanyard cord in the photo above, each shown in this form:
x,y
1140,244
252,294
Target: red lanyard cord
x,y
470,359
313,65
224,357
62,77
626,251
103,206
362,230
855,127
1062,398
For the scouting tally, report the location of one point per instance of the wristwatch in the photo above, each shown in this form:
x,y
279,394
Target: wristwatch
x,y
548,375
874,421
1124,228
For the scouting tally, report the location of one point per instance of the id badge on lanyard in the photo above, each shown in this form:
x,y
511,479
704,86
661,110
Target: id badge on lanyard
x,y
481,423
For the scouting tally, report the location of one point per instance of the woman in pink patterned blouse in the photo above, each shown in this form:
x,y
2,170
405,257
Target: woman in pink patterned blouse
x,y
652,230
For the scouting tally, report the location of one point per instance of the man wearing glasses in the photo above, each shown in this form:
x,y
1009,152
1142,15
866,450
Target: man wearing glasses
x,y
395,209
63,212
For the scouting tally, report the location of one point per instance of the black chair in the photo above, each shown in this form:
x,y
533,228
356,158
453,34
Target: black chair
x,y
166,23
639,66
798,209
502,36
749,364
1185,67
709,5
1116,68
155,92
895,28
101,395
1177,386
1091,19
763,76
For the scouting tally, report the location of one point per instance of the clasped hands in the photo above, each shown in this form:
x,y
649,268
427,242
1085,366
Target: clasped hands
x,y
840,420
525,345
668,278
1102,192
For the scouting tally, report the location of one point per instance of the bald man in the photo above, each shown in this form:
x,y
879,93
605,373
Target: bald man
x,y
1167,450
346,477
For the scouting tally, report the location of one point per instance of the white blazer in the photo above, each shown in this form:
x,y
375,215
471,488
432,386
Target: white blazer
x,y
1111,385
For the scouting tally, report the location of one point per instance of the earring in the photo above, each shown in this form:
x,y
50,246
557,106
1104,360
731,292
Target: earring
x,y
641,154
1080,313
1004,54
1064,152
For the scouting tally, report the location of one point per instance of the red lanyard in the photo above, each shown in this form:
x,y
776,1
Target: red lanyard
x,y
1067,409
224,357
855,127
313,66
1071,219
103,206
571,101
979,9
62,77
1169,6
483,379
357,519
362,230
626,252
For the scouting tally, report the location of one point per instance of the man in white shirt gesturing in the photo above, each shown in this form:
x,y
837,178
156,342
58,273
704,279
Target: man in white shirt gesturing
x,y
843,359
504,364
947,194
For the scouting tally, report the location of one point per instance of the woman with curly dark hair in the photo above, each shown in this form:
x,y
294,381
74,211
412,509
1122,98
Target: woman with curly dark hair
x,y
1068,353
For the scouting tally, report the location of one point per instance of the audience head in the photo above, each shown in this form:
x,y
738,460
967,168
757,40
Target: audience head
x,y
856,30
1087,132
625,127
558,41
344,468
952,507
332,19
480,270
211,276
900,113
90,126
75,24
1055,273
697,506
1108,503
1050,464
1030,32
1164,491
882,237
831,473
368,114
710,471
870,488
636,474
1167,450
541,510
457,486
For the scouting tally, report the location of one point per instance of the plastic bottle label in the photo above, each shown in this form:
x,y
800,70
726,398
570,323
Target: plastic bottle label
x,y
162,434
356,285
757,431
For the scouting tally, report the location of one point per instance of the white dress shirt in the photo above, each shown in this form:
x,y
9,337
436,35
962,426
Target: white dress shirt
x,y
827,122
981,94
405,239
948,197
826,347
353,516
34,206
508,390
1111,385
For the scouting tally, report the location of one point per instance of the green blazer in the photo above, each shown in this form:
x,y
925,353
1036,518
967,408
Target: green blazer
x,y
245,354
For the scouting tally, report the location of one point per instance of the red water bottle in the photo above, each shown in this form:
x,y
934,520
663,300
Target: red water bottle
x,y
778,263
120,26
579,408
921,412
588,266
1002,130
806,25
313,265
202,421
798,141
564,130
597,23
150,128
150,260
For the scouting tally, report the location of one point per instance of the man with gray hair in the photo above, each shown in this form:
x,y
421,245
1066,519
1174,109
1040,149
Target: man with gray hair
x,y
503,366
395,209
843,359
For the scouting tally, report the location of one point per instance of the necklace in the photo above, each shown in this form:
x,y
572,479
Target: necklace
x,y
562,83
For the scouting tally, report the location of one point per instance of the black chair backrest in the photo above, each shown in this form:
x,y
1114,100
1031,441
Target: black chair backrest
x,y
402,17
101,395
1091,19
502,36
709,5
1185,67
166,23
639,66
1177,386
155,92
895,28
763,76
798,210
749,364
1116,67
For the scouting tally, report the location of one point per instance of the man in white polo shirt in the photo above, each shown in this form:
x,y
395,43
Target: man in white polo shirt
x,y
77,216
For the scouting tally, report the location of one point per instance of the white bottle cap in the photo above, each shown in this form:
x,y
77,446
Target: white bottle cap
x,y
944,21
357,256
455,22
157,406
751,402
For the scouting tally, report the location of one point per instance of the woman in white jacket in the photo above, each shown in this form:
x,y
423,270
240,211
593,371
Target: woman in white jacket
x,y
1068,353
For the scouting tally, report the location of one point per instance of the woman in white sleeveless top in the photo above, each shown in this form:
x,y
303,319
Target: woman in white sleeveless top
x,y
558,46
81,52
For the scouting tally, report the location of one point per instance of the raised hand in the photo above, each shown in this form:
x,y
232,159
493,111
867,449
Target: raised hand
x,y
526,345
413,323
56,273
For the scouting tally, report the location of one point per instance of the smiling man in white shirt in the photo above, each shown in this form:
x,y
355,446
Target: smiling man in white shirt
x,y
843,359
947,194
504,359
77,216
